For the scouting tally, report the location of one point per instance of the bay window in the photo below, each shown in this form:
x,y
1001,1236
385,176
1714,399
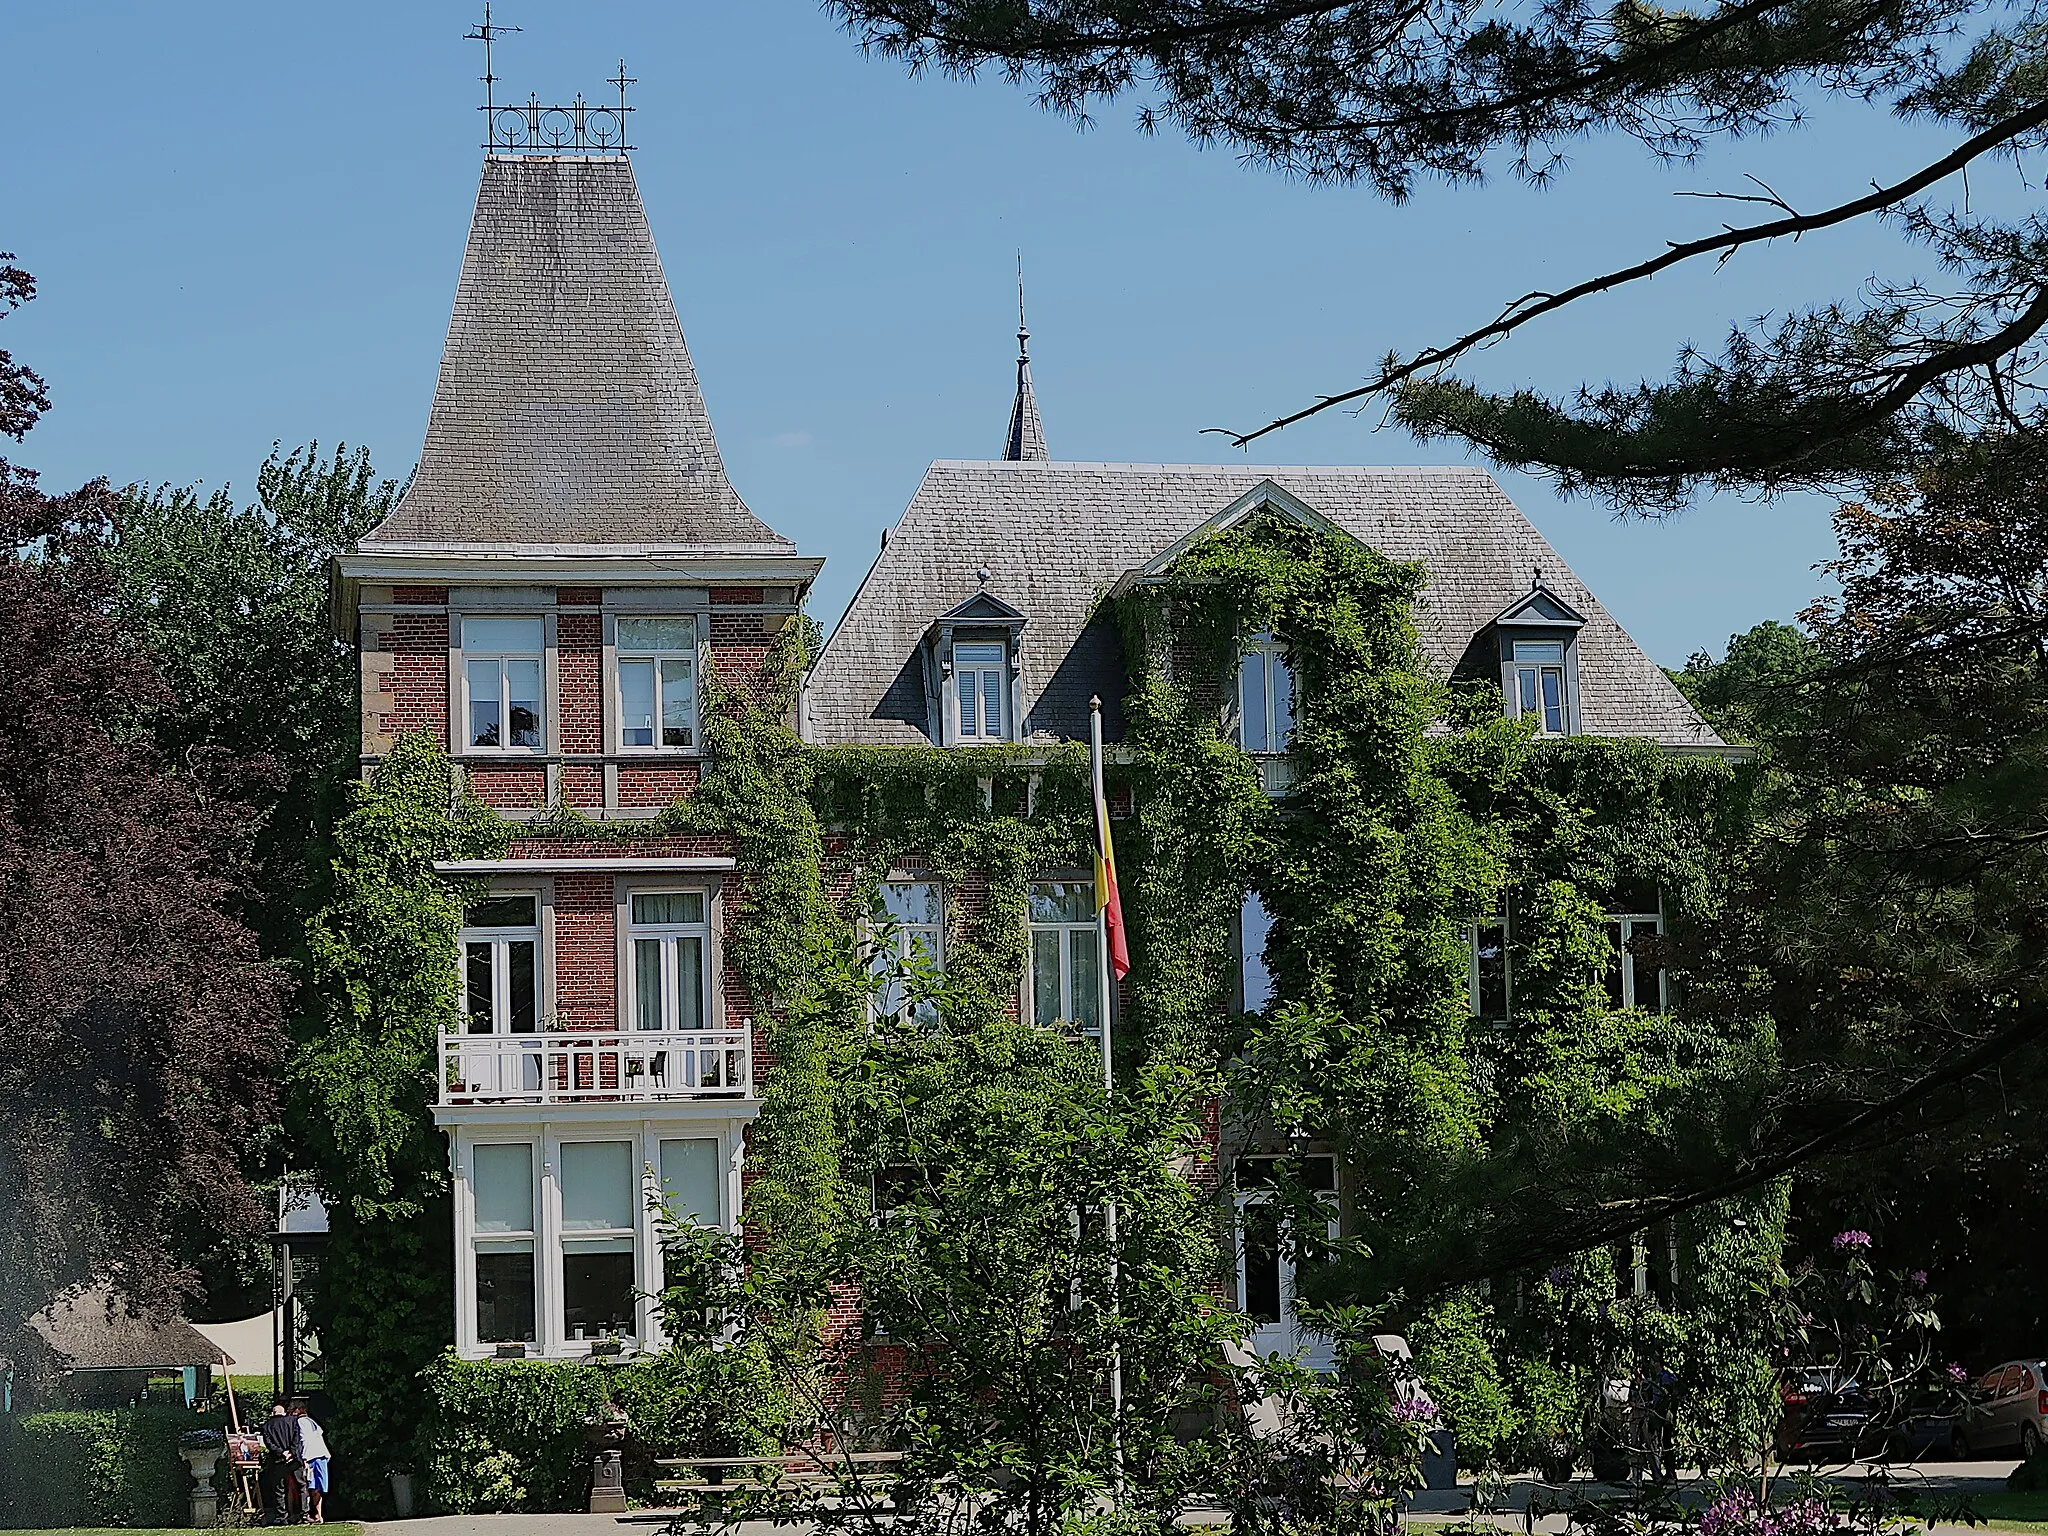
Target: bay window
x,y
1066,975
502,1187
657,672
502,672
599,1203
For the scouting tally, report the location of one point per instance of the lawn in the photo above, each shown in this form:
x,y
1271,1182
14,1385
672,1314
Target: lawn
x,y
2006,1510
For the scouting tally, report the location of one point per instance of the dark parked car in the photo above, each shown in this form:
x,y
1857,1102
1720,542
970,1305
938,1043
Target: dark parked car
x,y
1825,1416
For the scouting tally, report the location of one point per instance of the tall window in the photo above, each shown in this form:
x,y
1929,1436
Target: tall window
x,y
657,683
1255,980
1489,969
1539,684
501,673
1066,977
1265,696
669,932
690,1180
598,1205
500,966
980,684
1635,969
501,1184
915,913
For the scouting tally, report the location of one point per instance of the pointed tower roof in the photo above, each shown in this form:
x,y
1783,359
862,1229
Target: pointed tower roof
x,y
1027,434
567,411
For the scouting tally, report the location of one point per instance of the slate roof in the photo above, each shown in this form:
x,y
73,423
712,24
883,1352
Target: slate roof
x,y
567,410
1054,537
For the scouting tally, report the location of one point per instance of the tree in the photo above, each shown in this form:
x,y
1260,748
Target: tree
x,y
140,1029
1390,92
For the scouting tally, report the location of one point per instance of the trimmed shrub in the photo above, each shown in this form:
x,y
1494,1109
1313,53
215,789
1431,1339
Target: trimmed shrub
x,y
95,1467
504,1436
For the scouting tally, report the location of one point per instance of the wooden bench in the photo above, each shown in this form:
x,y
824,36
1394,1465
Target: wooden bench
x,y
749,1473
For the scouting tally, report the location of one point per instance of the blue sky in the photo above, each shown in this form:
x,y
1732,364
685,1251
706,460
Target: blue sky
x,y
247,219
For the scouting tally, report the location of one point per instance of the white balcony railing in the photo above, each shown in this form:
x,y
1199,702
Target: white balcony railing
x,y
584,1066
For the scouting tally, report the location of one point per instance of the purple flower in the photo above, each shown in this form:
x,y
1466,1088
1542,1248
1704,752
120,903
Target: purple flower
x,y
1559,1275
1852,1239
1957,1373
1918,1279
1415,1410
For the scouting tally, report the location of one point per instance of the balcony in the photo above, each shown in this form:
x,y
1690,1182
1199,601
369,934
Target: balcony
x,y
590,1066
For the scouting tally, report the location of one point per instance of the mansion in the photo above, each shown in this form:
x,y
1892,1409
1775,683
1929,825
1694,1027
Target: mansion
x,y
569,572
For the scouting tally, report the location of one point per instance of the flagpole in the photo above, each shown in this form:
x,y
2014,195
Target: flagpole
x,y
1102,994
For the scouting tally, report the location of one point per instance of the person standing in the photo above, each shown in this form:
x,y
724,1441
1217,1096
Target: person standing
x,y
313,1463
280,1461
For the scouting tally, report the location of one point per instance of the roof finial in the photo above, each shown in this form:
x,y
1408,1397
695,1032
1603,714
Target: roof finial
x,y
1027,433
485,34
981,575
1537,584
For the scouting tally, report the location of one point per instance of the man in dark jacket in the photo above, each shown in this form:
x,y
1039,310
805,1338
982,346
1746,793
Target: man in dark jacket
x,y
280,1465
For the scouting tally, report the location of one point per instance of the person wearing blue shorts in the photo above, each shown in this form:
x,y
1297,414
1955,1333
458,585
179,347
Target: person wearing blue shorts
x,y
313,1464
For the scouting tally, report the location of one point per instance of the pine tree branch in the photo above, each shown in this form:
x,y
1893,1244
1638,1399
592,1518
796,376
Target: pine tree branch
x,y
1535,305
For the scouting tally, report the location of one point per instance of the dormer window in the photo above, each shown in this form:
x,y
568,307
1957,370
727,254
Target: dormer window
x,y
1538,667
1536,639
1265,696
979,682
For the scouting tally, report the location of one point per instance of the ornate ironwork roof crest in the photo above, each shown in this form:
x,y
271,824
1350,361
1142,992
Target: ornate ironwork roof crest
x,y
536,128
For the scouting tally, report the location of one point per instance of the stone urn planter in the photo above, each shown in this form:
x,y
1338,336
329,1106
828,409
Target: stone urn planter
x,y
202,1450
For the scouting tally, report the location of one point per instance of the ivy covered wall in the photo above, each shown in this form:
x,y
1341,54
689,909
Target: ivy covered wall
x,y
1415,812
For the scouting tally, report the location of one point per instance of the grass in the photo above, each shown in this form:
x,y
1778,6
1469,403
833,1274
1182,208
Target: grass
x,y
2006,1510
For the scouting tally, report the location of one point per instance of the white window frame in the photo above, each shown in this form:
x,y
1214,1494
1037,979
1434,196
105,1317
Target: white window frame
x,y
500,941
1532,671
1068,971
624,656
566,1240
467,655
906,937
666,934
982,670
1286,1336
1624,961
1275,727
527,1242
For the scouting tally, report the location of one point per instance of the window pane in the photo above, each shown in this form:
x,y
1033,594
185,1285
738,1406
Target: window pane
x,y
1490,971
597,1185
912,901
1046,1002
652,908
689,982
1646,966
1254,924
1525,681
1283,702
597,1291
969,697
1261,1299
1062,901
636,703
1553,701
980,653
521,1014
504,1294
483,703
1086,980
992,703
522,683
502,912
477,984
678,704
690,1179
647,983
1612,977
1253,735
1539,650
501,637
501,1176
657,634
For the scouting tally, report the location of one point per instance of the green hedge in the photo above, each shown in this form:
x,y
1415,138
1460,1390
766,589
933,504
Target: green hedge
x,y
95,1467
508,1436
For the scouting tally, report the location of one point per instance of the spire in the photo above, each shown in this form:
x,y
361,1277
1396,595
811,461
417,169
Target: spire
x,y
1027,435
568,411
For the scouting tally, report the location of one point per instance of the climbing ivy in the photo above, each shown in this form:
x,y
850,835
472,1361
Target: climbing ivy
x,y
1414,811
